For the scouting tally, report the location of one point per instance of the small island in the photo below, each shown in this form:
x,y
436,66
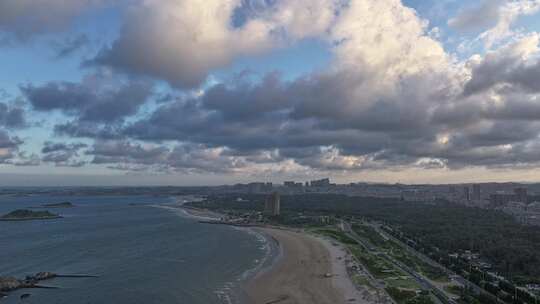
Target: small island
x,y
27,215
59,205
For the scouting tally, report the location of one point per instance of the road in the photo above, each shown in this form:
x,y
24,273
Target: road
x,y
476,289
422,281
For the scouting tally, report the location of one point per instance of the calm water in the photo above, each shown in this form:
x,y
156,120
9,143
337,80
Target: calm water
x,y
143,254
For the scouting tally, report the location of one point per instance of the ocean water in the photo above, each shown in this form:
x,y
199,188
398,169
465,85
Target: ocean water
x,y
143,251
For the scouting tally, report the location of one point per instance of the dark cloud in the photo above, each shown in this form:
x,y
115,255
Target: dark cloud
x,y
7,141
506,67
63,154
50,146
88,102
9,146
84,129
133,156
107,152
277,114
316,123
198,158
11,117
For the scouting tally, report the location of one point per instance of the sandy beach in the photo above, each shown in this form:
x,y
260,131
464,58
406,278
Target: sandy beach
x,y
300,274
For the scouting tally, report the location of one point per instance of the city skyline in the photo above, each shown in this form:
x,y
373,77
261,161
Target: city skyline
x,y
185,92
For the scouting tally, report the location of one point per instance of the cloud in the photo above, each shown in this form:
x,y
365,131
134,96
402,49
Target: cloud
x,y
132,156
24,19
95,99
514,64
373,104
181,41
11,117
125,152
7,141
380,90
84,129
25,160
62,154
391,98
9,145
508,14
50,147
478,17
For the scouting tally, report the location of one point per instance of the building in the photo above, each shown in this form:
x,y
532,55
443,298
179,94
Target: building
x,y
521,194
325,182
272,204
259,187
477,192
501,199
534,207
293,184
533,214
466,193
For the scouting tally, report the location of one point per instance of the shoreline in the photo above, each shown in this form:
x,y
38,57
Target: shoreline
x,y
310,269
298,267
268,261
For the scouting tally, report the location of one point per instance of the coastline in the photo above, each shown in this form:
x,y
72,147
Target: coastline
x,y
298,267
234,293
309,269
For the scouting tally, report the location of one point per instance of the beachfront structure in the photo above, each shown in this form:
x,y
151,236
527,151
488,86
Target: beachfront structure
x,y
466,193
272,204
476,192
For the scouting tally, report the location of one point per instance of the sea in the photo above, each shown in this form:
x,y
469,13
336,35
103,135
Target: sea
x,y
142,248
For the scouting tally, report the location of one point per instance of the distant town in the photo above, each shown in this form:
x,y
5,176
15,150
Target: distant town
x,y
519,200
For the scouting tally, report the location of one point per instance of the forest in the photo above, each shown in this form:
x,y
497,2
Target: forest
x,y
513,249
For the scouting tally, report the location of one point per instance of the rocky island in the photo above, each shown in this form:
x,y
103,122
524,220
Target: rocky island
x,y
27,215
8,284
59,205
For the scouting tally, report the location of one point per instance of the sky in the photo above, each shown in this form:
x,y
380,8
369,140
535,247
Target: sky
x,y
189,92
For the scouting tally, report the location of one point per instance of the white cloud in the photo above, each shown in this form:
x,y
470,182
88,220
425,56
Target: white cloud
x,y
181,41
386,38
508,14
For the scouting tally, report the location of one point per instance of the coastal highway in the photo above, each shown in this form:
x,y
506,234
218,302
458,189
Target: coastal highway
x,y
476,289
441,296
346,228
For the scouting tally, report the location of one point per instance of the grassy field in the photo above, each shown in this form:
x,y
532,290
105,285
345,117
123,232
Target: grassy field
x,y
453,289
335,234
403,282
401,287
362,281
401,254
377,266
